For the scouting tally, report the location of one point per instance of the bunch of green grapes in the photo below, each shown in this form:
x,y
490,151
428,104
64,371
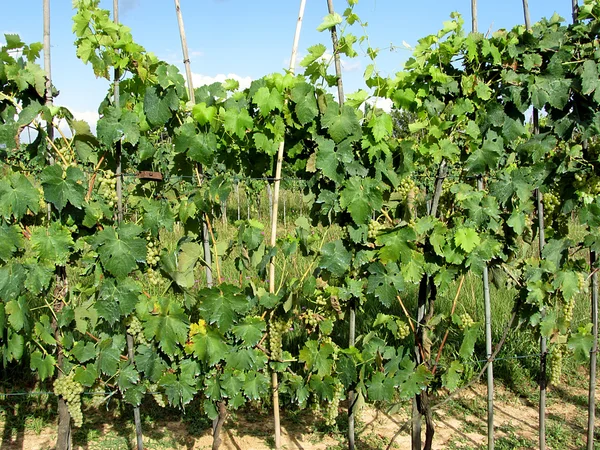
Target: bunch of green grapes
x,y
311,319
108,187
374,229
555,364
70,390
152,252
276,329
403,330
466,321
135,329
551,202
588,185
567,309
154,277
98,396
581,282
320,298
159,397
406,188
332,407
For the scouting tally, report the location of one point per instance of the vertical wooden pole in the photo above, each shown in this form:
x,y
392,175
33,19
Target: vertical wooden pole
x,y
488,348
542,242
352,305
64,437
474,16
336,57
188,73
276,185
593,356
486,305
543,341
119,174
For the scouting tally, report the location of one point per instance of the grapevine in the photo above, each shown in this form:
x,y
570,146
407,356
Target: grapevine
x,y
70,391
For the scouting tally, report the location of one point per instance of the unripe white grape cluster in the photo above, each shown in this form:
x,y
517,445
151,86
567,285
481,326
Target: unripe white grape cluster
x,y
406,187
276,329
152,252
403,330
332,408
551,202
108,187
555,364
466,321
98,397
154,277
374,229
135,329
70,390
311,318
159,397
320,298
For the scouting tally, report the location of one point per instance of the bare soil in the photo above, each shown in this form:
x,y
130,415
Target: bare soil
x,y
459,424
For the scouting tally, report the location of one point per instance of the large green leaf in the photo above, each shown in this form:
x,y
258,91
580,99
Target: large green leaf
x,y
120,249
53,244
62,187
361,196
168,324
335,258
17,196
222,305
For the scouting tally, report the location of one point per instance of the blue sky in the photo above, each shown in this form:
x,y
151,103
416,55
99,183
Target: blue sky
x,y
249,39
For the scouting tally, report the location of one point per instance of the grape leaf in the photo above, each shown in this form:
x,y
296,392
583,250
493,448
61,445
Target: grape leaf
x,y
317,358
118,124
203,114
18,313
17,195
467,239
330,21
108,357
256,385
209,347
222,305
150,362
61,188
237,122
53,244
382,126
120,249
10,241
43,365
582,342
303,95
83,351
361,196
335,258
169,325
267,100
341,122
199,146
117,299
159,107
380,387
451,378
250,330
385,282
179,390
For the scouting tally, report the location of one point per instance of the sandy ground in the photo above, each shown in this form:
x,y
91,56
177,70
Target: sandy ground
x,y
460,425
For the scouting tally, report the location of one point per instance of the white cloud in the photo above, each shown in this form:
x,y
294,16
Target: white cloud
x,y
382,103
203,80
